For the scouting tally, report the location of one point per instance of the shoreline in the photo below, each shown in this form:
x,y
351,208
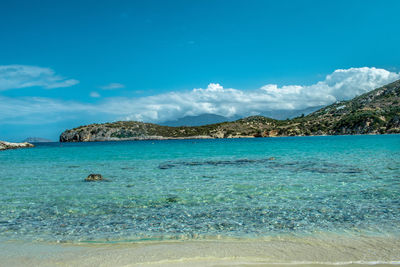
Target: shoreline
x,y
161,138
315,250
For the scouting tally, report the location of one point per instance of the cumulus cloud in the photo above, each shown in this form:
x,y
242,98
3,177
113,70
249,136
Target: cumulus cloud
x,y
21,76
112,86
342,84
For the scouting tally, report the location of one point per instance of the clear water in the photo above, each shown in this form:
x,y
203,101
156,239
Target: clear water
x,y
201,188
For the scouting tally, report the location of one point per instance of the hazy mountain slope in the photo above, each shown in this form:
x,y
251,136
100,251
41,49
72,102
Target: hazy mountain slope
x,y
199,120
289,114
205,119
37,140
376,112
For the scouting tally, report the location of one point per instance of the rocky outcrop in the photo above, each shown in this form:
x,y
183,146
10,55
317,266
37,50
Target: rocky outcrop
x,y
376,112
94,177
7,145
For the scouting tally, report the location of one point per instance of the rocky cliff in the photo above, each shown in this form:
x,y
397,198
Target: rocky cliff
x,y
376,112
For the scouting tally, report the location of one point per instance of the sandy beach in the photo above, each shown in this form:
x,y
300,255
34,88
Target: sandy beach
x,y
324,250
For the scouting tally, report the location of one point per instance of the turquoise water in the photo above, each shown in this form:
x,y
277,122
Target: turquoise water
x,y
201,188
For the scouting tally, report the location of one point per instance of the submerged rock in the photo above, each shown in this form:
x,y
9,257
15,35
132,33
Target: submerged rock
x,y
7,145
94,177
172,199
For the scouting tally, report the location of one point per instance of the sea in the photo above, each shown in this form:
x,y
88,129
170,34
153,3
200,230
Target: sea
x,y
201,189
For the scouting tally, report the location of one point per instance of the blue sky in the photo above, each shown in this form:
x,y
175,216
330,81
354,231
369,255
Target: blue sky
x,y
90,56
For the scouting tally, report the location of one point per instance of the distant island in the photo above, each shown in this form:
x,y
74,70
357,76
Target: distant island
x,y
37,140
375,112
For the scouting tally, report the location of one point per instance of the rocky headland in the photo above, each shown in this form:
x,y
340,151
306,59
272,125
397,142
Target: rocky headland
x,y
7,145
376,112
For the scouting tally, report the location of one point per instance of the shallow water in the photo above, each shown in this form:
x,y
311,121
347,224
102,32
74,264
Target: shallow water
x,y
200,189
316,250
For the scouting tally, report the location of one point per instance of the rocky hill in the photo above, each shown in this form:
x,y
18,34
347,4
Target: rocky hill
x,y
376,112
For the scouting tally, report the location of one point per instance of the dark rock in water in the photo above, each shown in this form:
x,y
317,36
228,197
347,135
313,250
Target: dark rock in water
x,y
271,162
169,165
166,166
94,178
172,199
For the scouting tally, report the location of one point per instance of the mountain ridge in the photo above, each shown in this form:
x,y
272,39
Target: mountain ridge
x,y
210,118
375,112
199,120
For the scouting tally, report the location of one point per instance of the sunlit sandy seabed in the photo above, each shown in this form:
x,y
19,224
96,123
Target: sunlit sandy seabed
x,y
316,250
281,201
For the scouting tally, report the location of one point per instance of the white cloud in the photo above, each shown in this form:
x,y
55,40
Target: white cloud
x,y
348,83
21,76
112,86
339,85
94,94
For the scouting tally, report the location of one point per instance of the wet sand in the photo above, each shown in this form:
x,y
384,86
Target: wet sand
x,y
324,250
